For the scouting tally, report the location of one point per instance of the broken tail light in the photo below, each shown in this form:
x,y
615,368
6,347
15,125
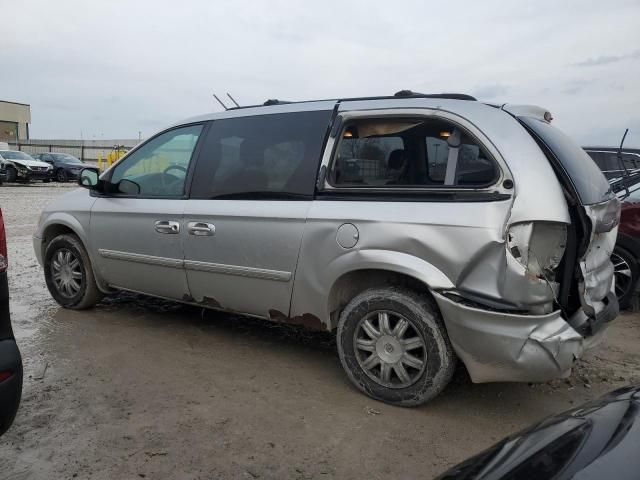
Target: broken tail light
x,y
3,245
538,246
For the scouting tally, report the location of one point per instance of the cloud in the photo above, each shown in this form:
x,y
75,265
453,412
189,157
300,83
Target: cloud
x,y
487,92
607,59
576,86
122,67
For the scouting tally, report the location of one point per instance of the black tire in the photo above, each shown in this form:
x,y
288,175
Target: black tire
x,y
421,383
88,293
11,174
61,175
626,270
46,180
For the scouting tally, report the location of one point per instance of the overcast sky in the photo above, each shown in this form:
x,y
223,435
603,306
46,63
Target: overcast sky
x,y
109,69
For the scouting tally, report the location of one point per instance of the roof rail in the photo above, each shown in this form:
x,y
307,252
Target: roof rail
x,y
453,96
400,94
275,101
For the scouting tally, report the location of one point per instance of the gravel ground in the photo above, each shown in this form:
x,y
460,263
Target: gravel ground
x,y
141,388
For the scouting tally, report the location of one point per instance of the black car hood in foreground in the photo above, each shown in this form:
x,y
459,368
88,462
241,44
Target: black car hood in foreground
x,y
599,440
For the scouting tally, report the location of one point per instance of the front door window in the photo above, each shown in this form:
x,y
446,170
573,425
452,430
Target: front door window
x,y
159,167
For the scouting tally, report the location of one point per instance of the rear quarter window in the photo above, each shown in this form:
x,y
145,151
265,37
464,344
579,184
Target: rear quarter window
x,y
396,153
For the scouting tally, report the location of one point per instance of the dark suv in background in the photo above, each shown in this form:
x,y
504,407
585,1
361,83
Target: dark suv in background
x,y
65,167
607,159
10,360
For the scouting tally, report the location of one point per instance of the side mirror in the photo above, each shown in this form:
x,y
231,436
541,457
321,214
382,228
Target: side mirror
x,y
88,178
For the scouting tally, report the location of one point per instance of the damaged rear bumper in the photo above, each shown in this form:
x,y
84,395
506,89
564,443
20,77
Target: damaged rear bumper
x,y
497,346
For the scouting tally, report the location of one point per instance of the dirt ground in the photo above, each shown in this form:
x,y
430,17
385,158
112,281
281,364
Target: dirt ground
x,y
141,388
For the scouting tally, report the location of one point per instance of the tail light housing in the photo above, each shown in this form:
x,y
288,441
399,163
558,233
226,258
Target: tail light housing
x,y
3,245
538,246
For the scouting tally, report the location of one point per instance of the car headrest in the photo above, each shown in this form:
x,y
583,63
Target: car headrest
x,y
397,159
455,139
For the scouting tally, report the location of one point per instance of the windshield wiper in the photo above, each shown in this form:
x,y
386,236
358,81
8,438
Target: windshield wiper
x,y
621,162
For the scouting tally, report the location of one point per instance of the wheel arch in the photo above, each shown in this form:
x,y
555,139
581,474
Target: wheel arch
x,y
59,224
355,271
63,223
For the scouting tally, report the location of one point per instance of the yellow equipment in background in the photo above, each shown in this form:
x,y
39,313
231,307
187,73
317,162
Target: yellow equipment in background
x,y
112,157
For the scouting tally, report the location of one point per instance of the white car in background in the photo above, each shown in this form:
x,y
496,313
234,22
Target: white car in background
x,y
22,167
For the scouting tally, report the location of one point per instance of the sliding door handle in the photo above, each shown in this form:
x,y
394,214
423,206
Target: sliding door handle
x,y
201,229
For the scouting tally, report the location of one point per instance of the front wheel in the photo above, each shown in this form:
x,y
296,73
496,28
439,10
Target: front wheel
x,y
11,174
68,273
61,175
394,347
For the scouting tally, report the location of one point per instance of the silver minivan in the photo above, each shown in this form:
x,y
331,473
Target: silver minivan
x,y
421,229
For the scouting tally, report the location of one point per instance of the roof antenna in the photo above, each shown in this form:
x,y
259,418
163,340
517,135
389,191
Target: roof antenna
x,y
220,102
233,100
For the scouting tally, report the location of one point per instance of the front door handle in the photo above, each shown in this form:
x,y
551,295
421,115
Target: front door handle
x,y
167,226
201,228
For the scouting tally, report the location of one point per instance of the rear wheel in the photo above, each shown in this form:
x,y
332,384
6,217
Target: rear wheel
x,y
394,347
625,270
68,273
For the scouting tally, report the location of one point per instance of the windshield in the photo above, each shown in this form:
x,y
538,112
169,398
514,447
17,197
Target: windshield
x,y
13,155
65,157
586,177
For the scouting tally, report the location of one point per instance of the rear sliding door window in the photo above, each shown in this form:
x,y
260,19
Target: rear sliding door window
x,y
586,177
400,153
264,156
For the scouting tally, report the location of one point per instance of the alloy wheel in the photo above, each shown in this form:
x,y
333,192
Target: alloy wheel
x,y
622,273
389,349
66,271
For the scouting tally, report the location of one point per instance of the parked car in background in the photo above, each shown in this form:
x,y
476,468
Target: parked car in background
x,y
392,221
65,167
3,174
22,167
607,159
597,440
626,254
10,360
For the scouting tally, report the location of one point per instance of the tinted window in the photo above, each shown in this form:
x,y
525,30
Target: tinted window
x,y
631,161
159,167
587,179
266,155
370,160
65,157
397,153
607,162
